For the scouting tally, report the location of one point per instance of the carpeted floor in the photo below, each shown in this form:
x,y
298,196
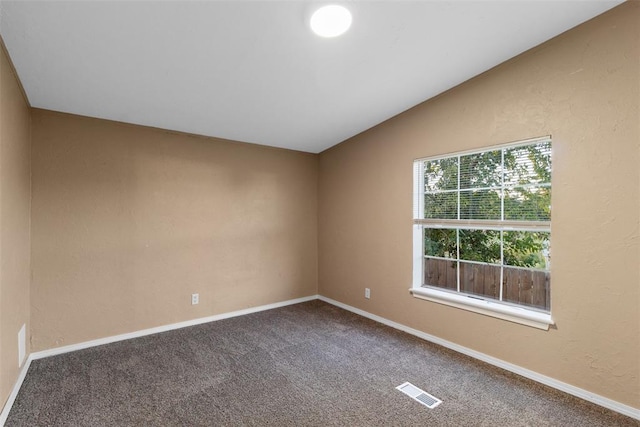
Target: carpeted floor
x,y
309,364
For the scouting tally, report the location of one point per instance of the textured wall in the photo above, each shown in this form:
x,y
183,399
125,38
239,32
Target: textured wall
x,y
583,89
129,221
15,199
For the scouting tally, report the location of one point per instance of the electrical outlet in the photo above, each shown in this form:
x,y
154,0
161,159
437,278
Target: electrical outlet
x,y
195,298
367,293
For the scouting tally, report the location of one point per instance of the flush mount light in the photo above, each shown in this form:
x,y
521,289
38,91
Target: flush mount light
x,y
330,21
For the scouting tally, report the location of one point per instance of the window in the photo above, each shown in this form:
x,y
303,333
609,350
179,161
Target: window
x,y
482,231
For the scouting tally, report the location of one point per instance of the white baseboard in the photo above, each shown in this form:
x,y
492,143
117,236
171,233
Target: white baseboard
x,y
14,392
107,340
543,379
165,328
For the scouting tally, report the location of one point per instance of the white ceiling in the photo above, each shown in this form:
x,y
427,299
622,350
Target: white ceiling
x,y
253,71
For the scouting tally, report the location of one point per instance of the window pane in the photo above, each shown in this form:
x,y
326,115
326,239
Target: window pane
x,y
527,204
441,174
528,165
480,279
480,204
527,249
527,287
480,245
472,191
441,273
440,242
481,170
441,205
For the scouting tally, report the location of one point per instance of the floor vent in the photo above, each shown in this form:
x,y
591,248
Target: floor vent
x,y
419,396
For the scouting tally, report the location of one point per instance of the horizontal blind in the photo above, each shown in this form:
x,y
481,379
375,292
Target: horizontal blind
x,y
510,184
527,182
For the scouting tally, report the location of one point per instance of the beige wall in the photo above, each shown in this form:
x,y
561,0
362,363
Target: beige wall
x,y
129,221
583,89
15,199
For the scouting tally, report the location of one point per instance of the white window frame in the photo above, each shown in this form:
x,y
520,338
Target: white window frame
x,y
474,303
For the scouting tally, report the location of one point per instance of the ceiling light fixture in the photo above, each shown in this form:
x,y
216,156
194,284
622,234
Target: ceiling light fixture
x,y
330,21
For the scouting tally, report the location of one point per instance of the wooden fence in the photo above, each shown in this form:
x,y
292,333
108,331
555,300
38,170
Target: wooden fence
x,y
520,285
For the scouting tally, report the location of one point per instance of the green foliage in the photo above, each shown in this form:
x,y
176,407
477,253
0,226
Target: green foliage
x,y
480,245
481,170
480,204
478,187
440,242
525,248
520,248
441,174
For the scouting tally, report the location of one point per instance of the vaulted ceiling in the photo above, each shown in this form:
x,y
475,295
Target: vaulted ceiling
x,y
253,71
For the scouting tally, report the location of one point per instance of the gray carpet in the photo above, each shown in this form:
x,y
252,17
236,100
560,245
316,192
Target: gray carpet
x,y
309,364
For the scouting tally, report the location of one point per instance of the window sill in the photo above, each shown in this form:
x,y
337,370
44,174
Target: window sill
x,y
523,316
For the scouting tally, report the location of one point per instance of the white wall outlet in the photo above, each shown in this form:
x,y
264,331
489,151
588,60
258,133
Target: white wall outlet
x,y
367,293
195,298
